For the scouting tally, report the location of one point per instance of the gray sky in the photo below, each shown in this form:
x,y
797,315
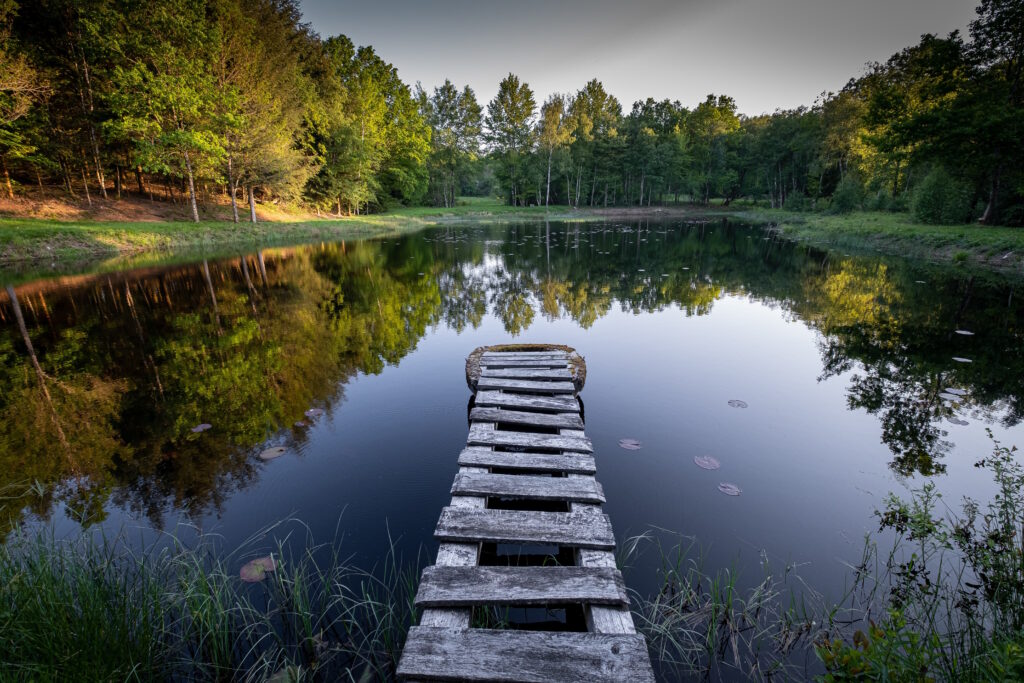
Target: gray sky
x,y
766,54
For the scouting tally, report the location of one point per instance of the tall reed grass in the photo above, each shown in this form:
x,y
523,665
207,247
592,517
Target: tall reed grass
x,y
93,609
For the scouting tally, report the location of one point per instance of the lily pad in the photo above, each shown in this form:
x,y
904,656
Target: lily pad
x,y
959,421
271,453
729,489
959,359
736,403
966,333
198,429
630,444
706,462
256,570
314,412
956,392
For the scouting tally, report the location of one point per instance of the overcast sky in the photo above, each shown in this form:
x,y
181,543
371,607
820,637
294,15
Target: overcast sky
x,y
767,54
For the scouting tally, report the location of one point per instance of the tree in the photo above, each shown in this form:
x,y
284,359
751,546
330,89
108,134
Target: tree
x,y
708,125
555,132
454,119
166,98
21,87
509,125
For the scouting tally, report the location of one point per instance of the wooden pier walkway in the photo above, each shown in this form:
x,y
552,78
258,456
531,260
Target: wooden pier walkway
x,y
524,532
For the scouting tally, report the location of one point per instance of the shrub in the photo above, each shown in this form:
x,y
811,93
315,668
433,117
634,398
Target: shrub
x,y
848,195
799,202
941,199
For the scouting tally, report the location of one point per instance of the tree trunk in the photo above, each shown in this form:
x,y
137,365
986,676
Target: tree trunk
x,y
547,196
252,203
991,214
85,184
117,180
138,181
7,180
88,109
231,188
191,188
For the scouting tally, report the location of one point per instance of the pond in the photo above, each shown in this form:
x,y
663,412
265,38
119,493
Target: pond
x,y
819,381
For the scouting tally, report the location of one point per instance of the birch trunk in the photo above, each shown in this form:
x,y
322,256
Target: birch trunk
x,y
191,188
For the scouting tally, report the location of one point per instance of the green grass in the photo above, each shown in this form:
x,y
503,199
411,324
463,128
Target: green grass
x,y
999,248
91,609
33,239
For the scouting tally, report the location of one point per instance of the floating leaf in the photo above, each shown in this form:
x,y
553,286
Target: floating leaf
x,y
736,403
956,392
729,489
958,359
630,444
958,421
271,453
706,462
198,429
966,333
301,423
256,570
949,397
920,282
314,412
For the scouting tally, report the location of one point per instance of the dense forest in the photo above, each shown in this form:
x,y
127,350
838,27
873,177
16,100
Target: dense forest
x,y
217,101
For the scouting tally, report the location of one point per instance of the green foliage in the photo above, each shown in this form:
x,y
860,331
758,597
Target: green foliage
x,y
941,199
510,132
848,196
887,652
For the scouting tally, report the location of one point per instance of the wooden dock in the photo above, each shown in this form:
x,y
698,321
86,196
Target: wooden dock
x,y
525,485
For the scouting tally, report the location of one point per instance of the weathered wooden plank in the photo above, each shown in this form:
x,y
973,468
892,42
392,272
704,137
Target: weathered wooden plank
x,y
527,373
587,530
468,586
528,487
544,462
480,437
523,656
520,363
456,555
602,618
561,404
529,355
525,386
567,420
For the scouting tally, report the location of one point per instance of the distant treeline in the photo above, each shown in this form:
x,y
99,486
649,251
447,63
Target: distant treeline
x,y
200,99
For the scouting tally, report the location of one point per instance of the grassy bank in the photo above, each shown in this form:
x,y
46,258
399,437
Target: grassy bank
x,y
997,248
39,239
24,242
92,609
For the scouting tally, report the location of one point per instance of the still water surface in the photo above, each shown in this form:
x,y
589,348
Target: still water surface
x,y
840,359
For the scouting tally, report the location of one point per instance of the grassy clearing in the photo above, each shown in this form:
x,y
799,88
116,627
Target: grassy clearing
x,y
997,248
91,609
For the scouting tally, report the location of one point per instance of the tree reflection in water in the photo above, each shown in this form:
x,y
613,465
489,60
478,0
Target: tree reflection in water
x,y
129,363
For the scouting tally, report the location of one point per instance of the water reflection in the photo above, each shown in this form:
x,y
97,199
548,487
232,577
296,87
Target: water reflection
x,y
103,378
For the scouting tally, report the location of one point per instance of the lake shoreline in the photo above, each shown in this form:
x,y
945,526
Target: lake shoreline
x,y
999,248
36,241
